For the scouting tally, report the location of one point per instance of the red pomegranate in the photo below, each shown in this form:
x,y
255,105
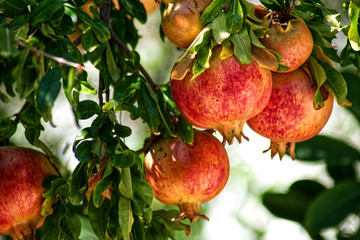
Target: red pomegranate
x,y
290,116
181,21
22,172
293,42
224,96
187,175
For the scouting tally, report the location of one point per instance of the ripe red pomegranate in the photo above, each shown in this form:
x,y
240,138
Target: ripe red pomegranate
x,y
291,39
224,96
181,21
187,175
290,116
22,172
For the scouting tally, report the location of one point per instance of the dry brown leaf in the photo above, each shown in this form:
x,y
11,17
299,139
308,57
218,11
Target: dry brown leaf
x,y
264,58
182,68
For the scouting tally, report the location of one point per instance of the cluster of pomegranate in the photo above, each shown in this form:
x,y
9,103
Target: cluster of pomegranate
x,y
276,104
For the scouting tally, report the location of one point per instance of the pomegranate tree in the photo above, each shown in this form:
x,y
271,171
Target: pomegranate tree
x,y
224,96
291,38
290,116
22,172
187,175
181,21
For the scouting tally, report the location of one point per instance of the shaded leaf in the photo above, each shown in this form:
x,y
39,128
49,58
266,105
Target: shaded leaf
x,y
7,128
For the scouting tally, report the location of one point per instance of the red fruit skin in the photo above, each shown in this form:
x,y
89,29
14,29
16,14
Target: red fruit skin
x,y
290,116
187,175
294,44
22,172
224,96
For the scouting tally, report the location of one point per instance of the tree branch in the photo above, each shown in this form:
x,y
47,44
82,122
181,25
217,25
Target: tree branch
x,y
61,61
105,16
18,114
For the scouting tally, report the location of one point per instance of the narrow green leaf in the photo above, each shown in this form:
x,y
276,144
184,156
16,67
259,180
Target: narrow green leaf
x,y
234,17
89,41
319,75
218,27
125,217
111,64
51,229
332,206
142,191
242,46
148,108
164,114
7,128
125,185
47,92
70,224
78,183
30,117
7,48
353,34
213,10
100,187
3,97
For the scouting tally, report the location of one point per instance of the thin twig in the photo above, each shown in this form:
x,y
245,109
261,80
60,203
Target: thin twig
x,y
123,46
77,41
23,108
105,10
61,61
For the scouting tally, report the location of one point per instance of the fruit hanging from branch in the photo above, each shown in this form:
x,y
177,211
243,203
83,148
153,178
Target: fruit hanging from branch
x,y
187,175
291,38
181,21
224,96
290,115
22,173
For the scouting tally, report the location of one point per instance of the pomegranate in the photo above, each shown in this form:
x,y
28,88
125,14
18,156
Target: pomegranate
x,y
224,96
22,172
181,21
290,116
292,39
187,175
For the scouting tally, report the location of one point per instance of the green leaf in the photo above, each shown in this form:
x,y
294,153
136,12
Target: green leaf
x,y
142,191
7,48
353,34
101,31
3,97
319,75
213,10
164,114
235,17
293,204
47,92
332,206
123,159
335,81
125,216
111,64
125,88
54,185
78,183
219,30
325,148
45,10
83,151
148,108
30,117
122,131
70,224
136,9
100,187
353,82
99,217
125,185
87,109
89,41
12,8
7,128
51,229
242,46
185,130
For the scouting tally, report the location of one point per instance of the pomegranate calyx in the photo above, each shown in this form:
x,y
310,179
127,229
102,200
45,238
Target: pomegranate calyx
x,y
231,131
191,211
23,231
281,148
